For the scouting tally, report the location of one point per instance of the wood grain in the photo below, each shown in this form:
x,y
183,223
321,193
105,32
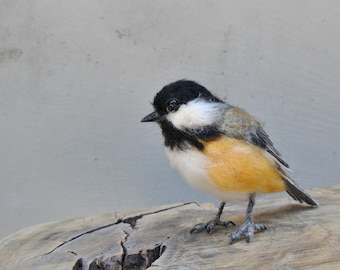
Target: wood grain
x,y
298,237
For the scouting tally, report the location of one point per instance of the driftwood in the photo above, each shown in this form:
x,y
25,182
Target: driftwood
x,y
298,237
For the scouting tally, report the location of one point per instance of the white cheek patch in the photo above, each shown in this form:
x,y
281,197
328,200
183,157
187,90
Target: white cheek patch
x,y
197,114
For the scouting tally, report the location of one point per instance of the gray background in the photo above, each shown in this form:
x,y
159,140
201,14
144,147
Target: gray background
x,y
77,76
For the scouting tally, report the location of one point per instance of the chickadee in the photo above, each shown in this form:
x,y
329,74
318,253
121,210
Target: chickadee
x,y
220,150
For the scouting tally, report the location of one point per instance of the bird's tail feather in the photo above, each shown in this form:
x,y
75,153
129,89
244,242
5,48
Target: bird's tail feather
x,y
296,192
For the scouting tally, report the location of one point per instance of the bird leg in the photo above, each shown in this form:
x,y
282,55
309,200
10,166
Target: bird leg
x,y
210,225
248,227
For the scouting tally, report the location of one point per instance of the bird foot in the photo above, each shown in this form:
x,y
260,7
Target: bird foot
x,y
248,229
210,225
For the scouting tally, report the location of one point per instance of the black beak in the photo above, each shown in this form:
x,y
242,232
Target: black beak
x,y
152,117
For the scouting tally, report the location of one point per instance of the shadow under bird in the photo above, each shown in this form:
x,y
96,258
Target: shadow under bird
x,y
220,150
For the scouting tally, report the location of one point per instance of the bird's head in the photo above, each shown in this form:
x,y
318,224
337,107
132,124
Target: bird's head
x,y
187,105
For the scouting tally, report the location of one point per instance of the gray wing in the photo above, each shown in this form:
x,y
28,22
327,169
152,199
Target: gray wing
x,y
241,125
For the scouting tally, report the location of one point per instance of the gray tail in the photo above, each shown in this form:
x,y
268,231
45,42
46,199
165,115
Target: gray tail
x,y
296,192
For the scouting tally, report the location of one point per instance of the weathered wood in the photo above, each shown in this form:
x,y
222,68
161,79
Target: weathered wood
x,y
298,237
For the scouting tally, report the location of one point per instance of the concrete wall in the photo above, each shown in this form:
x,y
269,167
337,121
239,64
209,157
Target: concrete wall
x,y
77,76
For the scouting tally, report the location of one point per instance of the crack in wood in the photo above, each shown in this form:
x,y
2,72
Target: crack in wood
x,y
80,264
122,244
133,220
82,234
143,258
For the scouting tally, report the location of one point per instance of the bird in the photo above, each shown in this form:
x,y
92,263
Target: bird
x,y
221,150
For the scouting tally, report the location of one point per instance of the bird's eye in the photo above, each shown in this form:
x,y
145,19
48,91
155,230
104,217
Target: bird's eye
x,y
173,105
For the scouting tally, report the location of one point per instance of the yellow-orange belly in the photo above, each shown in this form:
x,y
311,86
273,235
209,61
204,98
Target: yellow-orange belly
x,y
234,165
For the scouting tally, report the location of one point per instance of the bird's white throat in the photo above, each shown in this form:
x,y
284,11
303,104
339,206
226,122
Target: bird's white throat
x,y
197,114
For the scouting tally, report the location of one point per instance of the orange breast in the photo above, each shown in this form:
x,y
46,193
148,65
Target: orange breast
x,y
234,165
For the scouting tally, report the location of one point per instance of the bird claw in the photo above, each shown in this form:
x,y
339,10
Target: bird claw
x,y
210,225
248,229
